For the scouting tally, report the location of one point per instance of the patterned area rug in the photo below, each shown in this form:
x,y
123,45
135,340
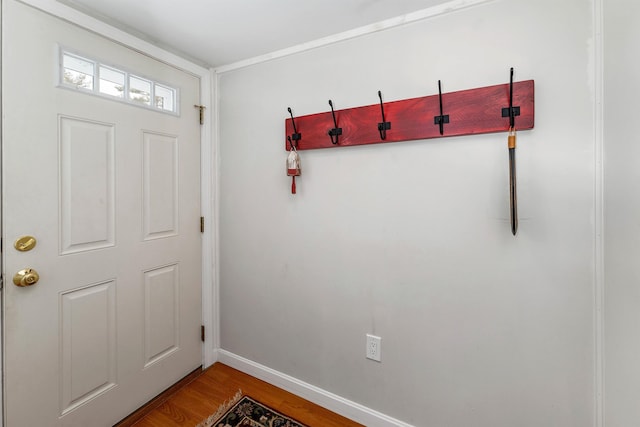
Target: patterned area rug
x,y
243,411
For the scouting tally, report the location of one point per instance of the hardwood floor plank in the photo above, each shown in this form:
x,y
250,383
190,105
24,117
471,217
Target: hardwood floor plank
x,y
158,400
201,397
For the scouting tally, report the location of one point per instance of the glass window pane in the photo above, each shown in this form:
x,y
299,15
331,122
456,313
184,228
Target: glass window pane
x,y
111,82
89,74
164,98
139,90
77,72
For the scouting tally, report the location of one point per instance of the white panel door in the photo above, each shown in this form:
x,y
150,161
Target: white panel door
x,y
111,194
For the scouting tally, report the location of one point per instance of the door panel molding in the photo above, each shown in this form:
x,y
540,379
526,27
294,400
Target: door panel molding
x,y
87,172
87,315
160,190
162,307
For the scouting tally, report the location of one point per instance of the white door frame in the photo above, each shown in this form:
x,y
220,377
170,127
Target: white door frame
x,y
208,157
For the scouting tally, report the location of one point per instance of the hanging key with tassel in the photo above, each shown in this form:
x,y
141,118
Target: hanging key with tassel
x,y
293,165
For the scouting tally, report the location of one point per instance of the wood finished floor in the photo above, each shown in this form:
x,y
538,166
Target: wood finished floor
x,y
197,400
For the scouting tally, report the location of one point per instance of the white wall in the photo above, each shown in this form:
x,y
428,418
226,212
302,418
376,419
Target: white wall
x,y
622,213
411,241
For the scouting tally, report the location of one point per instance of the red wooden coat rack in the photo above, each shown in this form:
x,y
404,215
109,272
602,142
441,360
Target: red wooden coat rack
x,y
467,112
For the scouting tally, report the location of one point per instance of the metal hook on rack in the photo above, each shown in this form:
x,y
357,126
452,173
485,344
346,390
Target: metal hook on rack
x,y
336,131
511,114
296,136
291,144
441,119
385,125
511,111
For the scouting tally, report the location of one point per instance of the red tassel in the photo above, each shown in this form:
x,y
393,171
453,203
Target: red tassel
x,y
293,185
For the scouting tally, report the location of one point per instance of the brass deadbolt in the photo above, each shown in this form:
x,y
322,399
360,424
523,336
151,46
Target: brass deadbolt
x,y
26,277
25,243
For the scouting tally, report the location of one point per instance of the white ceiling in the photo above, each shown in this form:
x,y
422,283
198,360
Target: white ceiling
x,y
220,32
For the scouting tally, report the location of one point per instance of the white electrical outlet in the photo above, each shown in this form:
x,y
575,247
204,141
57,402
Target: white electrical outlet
x,y
374,348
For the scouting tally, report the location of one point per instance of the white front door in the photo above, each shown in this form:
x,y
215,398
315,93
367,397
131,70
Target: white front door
x,y
110,193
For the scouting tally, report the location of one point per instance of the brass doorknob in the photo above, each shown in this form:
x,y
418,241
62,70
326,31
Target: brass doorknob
x,y
26,277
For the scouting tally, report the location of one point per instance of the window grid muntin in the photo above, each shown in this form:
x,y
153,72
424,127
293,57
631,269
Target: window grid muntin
x,y
95,90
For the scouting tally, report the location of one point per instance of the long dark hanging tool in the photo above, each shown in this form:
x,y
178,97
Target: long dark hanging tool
x,y
513,195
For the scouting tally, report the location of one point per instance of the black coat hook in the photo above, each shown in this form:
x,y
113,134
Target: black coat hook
x,y
293,147
336,131
511,111
441,119
511,115
296,136
384,126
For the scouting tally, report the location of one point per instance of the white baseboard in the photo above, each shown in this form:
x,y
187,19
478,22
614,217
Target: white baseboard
x,y
346,408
